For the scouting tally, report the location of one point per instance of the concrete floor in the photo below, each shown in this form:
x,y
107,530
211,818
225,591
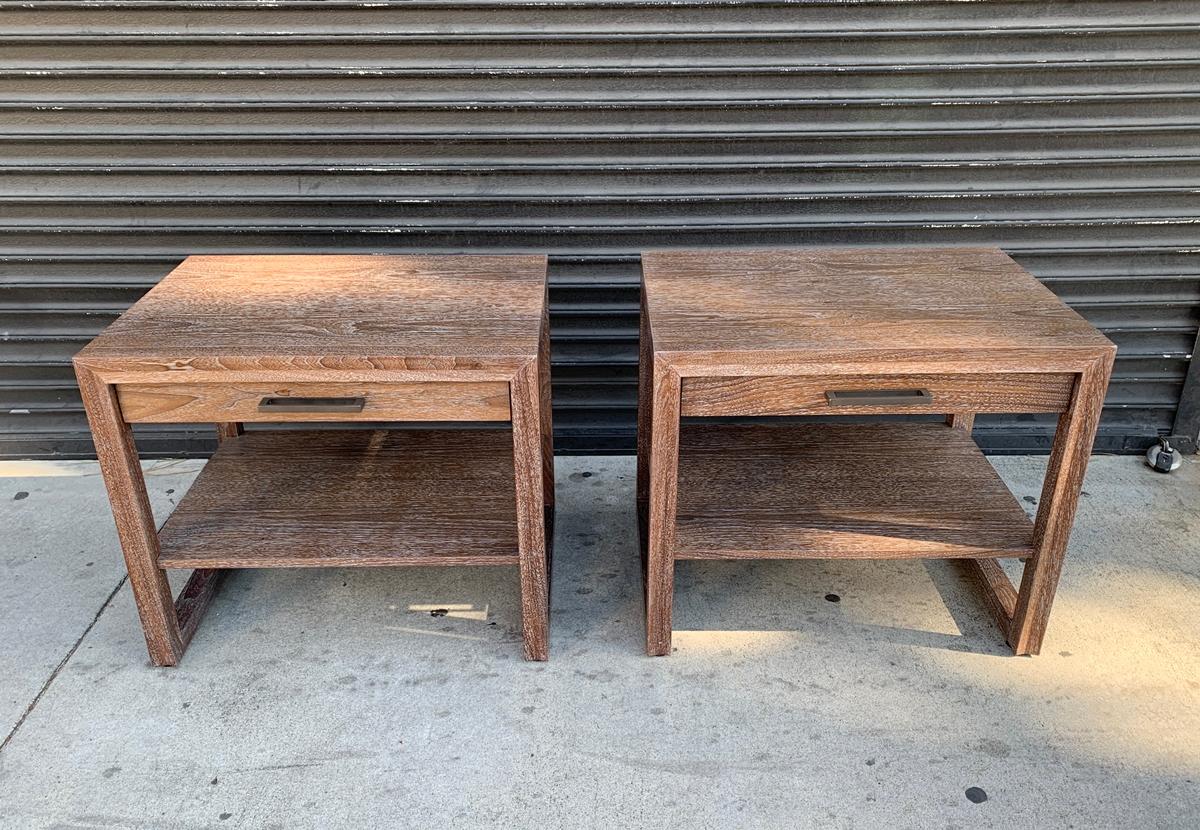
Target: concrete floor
x,y
336,700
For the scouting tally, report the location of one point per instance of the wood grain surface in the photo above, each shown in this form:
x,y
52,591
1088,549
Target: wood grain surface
x,y
126,487
745,333
218,402
349,498
526,452
806,395
863,491
660,528
891,308
441,338
998,591
322,313
1056,509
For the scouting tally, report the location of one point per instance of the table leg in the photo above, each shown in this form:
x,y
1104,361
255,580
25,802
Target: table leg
x,y
202,585
231,429
663,475
525,394
964,421
1056,512
119,464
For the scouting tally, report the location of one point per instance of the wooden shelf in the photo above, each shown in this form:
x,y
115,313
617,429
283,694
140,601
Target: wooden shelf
x,y
863,491
349,498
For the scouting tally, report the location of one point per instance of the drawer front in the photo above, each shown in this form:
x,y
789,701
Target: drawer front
x,y
278,402
875,394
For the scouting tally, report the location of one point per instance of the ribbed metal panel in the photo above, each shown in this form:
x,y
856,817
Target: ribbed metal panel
x,y
134,133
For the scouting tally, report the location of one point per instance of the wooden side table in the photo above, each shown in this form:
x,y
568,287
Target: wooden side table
x,y
288,339
840,331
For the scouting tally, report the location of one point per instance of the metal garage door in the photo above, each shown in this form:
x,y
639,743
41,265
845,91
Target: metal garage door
x,y
134,133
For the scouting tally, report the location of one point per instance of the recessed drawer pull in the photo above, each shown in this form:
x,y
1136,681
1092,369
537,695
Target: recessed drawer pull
x,y
289,404
879,397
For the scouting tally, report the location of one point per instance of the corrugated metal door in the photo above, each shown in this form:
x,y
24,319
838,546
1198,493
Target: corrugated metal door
x,y
134,133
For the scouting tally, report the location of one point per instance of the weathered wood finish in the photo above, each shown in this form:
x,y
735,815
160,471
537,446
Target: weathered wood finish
x,y
527,433
227,430
806,395
735,333
462,338
859,311
194,600
317,317
1056,511
349,498
664,463
185,403
862,491
126,486
998,591
964,421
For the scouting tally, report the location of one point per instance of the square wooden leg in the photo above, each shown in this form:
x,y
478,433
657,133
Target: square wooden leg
x,y
964,421
122,472
663,475
526,397
1023,614
1056,512
228,430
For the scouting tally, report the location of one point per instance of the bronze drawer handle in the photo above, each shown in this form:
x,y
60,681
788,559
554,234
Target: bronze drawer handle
x,y
879,397
289,404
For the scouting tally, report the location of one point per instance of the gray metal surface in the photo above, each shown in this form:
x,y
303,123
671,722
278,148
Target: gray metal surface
x,y
132,134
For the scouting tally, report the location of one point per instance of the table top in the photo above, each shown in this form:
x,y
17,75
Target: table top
x,y
330,311
857,306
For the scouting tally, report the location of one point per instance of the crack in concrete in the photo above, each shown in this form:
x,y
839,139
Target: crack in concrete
x,y
61,665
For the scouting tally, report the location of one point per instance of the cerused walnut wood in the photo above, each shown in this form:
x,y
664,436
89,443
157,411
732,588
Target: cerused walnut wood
x,y
349,498
808,395
430,401
952,332
327,317
449,338
871,491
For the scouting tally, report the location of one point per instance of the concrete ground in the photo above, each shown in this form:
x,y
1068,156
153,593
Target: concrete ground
x,y
335,699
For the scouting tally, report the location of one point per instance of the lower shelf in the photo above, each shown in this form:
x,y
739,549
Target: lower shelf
x,y
865,491
349,498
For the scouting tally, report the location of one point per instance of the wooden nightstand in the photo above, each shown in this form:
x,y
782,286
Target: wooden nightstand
x,y
846,332
287,339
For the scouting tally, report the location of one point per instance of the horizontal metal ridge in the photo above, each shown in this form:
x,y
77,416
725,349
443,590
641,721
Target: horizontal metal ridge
x,y
485,36
728,134
624,69
386,225
619,103
1001,10
534,168
606,197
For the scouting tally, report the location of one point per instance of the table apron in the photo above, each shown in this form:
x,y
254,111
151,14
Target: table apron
x,y
242,402
1008,392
